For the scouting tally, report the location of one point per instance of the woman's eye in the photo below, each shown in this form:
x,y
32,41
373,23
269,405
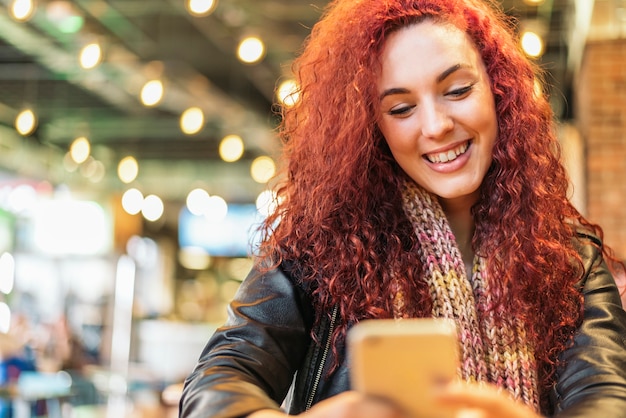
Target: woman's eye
x,y
460,92
400,110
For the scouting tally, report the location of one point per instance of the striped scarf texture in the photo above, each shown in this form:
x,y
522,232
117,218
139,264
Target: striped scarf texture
x,y
493,345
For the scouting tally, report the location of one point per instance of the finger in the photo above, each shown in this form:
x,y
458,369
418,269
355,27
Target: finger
x,y
486,398
469,413
460,394
354,405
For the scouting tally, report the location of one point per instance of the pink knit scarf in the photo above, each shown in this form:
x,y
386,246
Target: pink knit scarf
x,y
493,345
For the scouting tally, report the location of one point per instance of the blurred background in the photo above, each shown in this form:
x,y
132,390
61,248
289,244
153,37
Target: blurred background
x,y
137,144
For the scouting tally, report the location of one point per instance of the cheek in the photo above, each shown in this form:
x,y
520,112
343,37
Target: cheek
x,y
398,137
402,151
491,129
488,117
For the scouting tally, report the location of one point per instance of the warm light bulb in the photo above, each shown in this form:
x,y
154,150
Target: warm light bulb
x,y
201,7
128,169
132,201
80,149
266,202
152,208
152,93
532,44
192,121
288,93
90,56
197,201
231,148
262,169
22,10
251,50
26,122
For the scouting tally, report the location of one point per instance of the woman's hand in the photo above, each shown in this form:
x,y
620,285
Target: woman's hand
x,y
482,401
468,400
345,405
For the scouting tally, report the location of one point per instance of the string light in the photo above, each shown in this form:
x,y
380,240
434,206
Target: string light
x,y
200,8
266,202
532,44
152,93
231,148
262,169
288,93
197,201
90,55
192,121
22,10
251,50
132,201
128,169
26,122
80,149
152,208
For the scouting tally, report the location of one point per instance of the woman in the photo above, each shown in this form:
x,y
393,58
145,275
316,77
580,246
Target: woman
x,y
423,179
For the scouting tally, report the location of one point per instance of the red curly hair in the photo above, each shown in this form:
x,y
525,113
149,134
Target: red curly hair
x,y
340,222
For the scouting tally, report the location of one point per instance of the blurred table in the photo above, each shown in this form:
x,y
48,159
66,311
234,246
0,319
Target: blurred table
x,y
36,394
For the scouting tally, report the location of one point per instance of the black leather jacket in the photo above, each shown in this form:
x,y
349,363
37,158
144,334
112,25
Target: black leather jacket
x,y
250,363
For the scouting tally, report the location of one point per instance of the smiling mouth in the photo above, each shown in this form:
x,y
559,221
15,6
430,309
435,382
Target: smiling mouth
x,y
448,156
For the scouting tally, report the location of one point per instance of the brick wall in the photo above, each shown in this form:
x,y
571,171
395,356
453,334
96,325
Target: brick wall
x,y
601,116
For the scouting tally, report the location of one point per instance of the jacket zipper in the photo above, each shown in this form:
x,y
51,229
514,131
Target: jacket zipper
x,y
320,370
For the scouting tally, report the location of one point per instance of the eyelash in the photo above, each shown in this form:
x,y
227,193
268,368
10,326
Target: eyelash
x,y
454,93
400,111
461,91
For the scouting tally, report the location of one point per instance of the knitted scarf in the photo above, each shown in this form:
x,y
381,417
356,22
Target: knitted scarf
x,y
493,345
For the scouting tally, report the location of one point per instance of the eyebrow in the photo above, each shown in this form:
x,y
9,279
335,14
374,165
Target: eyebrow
x,y
449,71
445,74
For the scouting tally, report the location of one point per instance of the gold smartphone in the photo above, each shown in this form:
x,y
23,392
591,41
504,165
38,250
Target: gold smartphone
x,y
404,361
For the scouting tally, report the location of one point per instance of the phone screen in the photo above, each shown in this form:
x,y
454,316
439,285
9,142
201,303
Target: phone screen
x,y
404,361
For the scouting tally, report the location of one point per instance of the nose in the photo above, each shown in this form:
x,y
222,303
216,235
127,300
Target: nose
x,y
435,119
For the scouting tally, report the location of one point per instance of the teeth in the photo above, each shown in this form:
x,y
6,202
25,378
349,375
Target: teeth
x,y
444,157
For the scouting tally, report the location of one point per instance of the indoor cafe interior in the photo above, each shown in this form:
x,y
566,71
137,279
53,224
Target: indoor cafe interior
x,y
138,150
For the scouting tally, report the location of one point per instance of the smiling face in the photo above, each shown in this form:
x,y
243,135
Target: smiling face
x,y
437,111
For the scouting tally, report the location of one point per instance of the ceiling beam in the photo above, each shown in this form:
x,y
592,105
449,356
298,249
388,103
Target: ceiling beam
x,y
119,81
